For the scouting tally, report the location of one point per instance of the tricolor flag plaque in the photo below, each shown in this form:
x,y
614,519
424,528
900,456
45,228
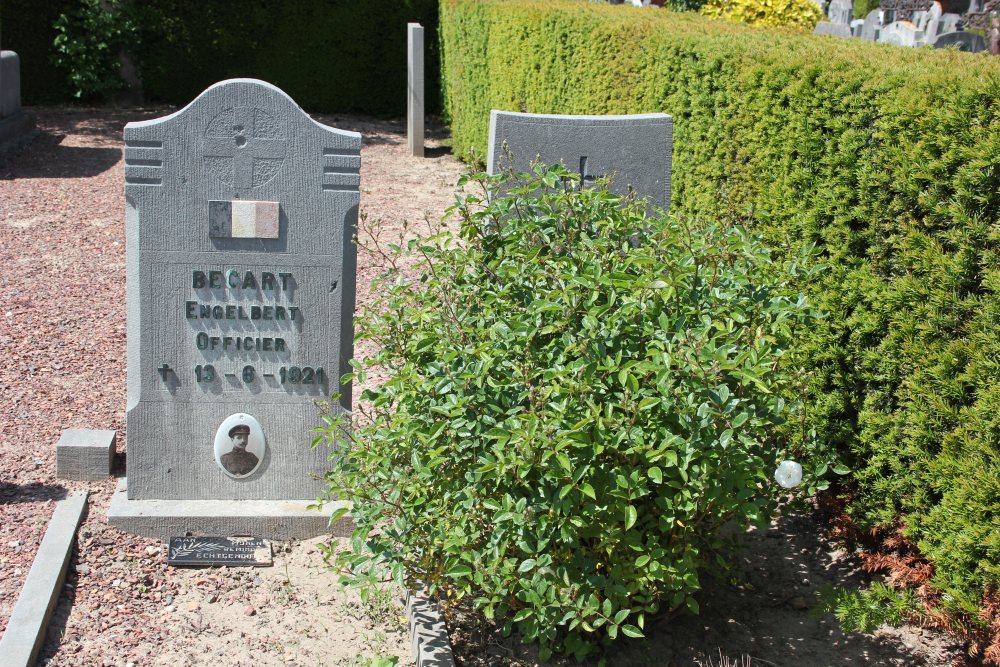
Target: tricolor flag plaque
x,y
240,219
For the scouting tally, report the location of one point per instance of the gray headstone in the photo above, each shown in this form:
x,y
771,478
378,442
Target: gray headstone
x,y
16,126
833,29
900,33
856,26
240,267
929,22
872,26
841,11
635,151
965,41
948,23
10,84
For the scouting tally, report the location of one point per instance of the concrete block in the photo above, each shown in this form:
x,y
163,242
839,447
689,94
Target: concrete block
x,y
85,455
428,632
30,618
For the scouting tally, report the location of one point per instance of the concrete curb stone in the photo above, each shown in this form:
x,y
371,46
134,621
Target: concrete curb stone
x,y
428,632
28,622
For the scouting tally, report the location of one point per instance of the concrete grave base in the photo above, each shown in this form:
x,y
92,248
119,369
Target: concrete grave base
x,y
270,519
15,131
833,29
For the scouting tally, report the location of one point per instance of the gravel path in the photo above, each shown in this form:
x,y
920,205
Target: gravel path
x,y
62,334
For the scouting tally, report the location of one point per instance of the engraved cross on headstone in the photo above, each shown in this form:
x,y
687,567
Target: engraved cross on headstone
x,y
586,178
242,143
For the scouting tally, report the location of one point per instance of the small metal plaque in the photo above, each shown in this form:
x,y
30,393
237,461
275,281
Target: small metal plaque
x,y
231,551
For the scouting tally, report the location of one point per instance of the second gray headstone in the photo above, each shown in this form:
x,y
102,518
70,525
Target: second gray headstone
x,y
634,150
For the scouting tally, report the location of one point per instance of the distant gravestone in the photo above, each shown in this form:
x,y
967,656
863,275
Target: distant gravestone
x,y
833,29
929,22
949,23
635,151
900,33
873,24
841,11
16,126
964,41
240,267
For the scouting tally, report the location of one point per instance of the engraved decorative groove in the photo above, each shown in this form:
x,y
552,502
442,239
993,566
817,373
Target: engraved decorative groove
x,y
340,151
340,188
143,165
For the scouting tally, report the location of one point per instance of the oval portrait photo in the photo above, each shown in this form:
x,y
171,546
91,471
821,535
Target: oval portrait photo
x,y
239,445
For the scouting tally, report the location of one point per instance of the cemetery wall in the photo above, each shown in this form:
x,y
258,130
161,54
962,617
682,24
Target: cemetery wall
x,y
331,57
885,158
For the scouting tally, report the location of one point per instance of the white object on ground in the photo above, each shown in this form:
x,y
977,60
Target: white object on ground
x,y
788,474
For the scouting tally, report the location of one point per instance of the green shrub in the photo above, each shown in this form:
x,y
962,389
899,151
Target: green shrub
x,y
684,5
332,56
795,13
578,396
886,159
863,7
867,609
90,42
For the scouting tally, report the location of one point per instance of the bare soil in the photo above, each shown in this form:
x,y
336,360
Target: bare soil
x,y
62,337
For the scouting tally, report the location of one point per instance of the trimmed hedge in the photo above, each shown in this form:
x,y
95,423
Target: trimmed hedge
x,y
886,158
329,55
26,26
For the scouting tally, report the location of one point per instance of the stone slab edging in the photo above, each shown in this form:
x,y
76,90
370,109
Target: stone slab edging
x,y
30,618
428,632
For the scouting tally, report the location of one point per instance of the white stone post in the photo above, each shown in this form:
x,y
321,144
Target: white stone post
x,y
415,89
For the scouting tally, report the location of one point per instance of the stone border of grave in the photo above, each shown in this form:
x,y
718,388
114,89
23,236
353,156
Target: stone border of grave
x,y
30,619
428,632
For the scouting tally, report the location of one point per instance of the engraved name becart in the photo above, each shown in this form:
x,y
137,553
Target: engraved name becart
x,y
236,338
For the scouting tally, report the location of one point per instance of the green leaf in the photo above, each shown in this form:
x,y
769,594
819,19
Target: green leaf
x,y
632,631
460,571
630,517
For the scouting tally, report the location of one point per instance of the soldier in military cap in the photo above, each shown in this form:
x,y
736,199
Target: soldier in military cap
x,y
239,461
